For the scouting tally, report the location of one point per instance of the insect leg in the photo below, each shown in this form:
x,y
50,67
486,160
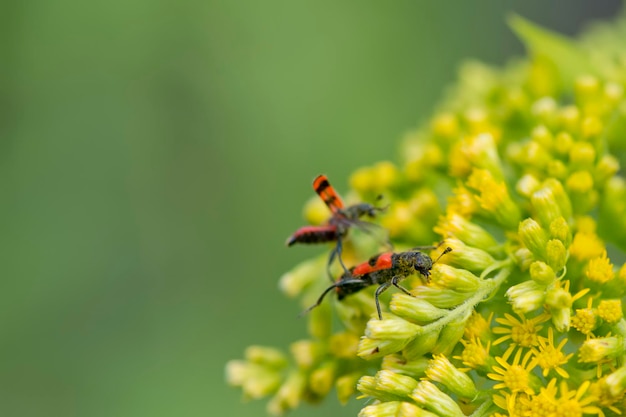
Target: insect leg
x,y
379,291
337,284
395,283
338,250
319,300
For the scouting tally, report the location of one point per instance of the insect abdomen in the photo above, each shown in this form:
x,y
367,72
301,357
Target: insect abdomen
x,y
313,234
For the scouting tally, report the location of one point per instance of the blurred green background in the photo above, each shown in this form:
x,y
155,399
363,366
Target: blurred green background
x,y
156,154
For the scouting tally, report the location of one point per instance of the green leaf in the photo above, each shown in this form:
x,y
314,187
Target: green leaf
x,y
567,57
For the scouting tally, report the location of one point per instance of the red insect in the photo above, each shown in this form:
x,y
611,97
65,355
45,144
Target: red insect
x,y
384,270
337,227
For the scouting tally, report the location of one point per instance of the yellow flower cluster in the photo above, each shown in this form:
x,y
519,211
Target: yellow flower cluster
x,y
519,174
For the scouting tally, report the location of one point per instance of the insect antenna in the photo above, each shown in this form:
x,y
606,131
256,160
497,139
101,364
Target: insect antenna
x,y
446,250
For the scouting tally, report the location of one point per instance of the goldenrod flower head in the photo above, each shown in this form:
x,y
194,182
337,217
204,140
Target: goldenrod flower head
x,y
515,376
494,198
462,202
475,355
575,402
441,370
522,332
429,396
600,269
610,310
605,398
550,357
586,246
585,320
517,148
596,350
477,326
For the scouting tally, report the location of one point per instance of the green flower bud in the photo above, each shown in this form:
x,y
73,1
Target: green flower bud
x,y
346,386
461,280
561,318
396,384
415,368
556,254
321,380
394,409
527,185
306,353
524,258
542,136
421,345
456,226
559,229
563,142
560,197
616,382
429,396
292,283
289,395
557,169
534,237
595,350
392,329
441,298
586,87
268,356
545,206
541,273
440,369
607,167
570,119
415,309
450,335
582,155
467,257
377,348
558,298
256,381
526,297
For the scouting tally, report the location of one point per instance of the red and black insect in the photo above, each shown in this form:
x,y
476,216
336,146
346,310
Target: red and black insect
x,y
384,270
336,229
